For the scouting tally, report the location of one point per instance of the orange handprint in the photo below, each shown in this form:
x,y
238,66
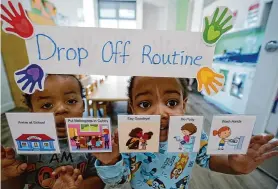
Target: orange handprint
x,y
207,78
21,25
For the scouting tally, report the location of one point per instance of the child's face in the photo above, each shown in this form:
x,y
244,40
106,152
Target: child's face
x,y
158,96
185,132
225,134
61,96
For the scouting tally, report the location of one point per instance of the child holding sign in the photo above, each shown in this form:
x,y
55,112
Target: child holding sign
x,y
167,97
62,95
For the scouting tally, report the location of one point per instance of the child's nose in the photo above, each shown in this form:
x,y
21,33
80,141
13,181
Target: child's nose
x,y
61,109
162,110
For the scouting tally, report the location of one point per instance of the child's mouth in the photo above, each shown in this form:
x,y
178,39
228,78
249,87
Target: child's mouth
x,y
164,128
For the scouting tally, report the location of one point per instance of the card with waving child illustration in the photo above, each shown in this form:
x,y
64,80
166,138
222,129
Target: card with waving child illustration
x,y
185,133
230,134
89,135
138,133
33,133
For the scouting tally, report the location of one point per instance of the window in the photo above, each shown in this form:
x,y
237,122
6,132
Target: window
x,y
36,144
45,144
117,14
23,144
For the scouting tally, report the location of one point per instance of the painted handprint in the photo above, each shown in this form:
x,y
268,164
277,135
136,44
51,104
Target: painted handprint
x,y
207,78
33,76
217,27
16,23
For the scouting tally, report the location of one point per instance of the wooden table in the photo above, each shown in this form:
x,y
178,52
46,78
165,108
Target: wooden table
x,y
111,90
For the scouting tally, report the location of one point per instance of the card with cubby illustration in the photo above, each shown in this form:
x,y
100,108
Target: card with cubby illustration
x,y
33,133
138,133
89,135
185,133
230,134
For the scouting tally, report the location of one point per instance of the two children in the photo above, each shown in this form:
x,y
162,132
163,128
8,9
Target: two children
x,y
167,97
62,95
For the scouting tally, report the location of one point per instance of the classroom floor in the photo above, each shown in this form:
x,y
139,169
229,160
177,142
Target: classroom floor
x,y
201,178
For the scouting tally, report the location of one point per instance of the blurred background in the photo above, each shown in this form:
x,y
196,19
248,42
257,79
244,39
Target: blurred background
x,y
247,56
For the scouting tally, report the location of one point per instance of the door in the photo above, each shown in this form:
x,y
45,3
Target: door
x,y
265,81
263,93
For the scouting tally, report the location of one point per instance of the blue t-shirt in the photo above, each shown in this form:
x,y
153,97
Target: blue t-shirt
x,y
154,170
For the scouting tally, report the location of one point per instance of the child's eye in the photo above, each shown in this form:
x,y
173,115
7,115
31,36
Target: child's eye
x,y
72,101
172,103
47,106
144,104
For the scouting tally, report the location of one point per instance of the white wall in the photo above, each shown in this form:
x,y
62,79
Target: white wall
x,y
154,17
197,7
139,14
7,102
241,6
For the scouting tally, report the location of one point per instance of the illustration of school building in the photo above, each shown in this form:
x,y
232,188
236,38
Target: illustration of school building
x,y
35,142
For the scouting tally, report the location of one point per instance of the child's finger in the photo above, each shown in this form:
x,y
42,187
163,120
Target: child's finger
x,y
59,170
3,152
78,181
69,170
10,153
76,173
21,168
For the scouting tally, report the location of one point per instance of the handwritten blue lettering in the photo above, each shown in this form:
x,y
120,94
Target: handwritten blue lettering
x,y
114,52
60,52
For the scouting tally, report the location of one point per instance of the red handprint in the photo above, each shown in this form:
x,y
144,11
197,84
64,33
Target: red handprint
x,y
21,25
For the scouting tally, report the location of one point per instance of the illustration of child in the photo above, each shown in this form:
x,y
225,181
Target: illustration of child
x,y
77,144
145,137
134,141
223,133
99,142
106,138
167,97
89,144
187,130
63,95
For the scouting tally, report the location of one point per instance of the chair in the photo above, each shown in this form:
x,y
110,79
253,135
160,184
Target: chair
x,y
90,105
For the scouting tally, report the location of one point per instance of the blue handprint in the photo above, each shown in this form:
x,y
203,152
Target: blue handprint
x,y
33,74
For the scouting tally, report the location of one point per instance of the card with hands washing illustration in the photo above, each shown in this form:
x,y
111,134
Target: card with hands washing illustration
x,y
185,133
230,134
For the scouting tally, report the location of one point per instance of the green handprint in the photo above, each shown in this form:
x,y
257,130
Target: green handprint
x,y
215,29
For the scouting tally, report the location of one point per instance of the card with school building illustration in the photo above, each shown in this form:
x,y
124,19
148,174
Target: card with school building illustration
x,y
89,134
138,133
230,134
33,133
185,133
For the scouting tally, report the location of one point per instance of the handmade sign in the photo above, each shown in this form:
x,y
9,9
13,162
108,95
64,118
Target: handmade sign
x,y
33,133
89,134
185,133
230,134
96,51
138,133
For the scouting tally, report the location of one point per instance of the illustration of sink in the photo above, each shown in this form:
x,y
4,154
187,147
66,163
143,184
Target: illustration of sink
x,y
236,142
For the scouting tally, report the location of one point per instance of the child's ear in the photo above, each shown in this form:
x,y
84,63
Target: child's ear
x,y
184,104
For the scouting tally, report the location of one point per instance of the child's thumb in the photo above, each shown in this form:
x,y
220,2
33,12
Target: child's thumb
x,y
21,168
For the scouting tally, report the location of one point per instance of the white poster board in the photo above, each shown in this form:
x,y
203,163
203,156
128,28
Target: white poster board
x,y
96,51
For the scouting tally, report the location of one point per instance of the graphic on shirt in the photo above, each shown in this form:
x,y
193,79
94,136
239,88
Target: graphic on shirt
x,y
89,134
139,133
134,165
179,166
35,142
149,157
182,183
156,184
33,133
184,133
230,134
40,168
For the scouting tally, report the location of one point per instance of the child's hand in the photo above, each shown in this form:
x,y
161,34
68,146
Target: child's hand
x,y
259,150
69,178
110,158
10,167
